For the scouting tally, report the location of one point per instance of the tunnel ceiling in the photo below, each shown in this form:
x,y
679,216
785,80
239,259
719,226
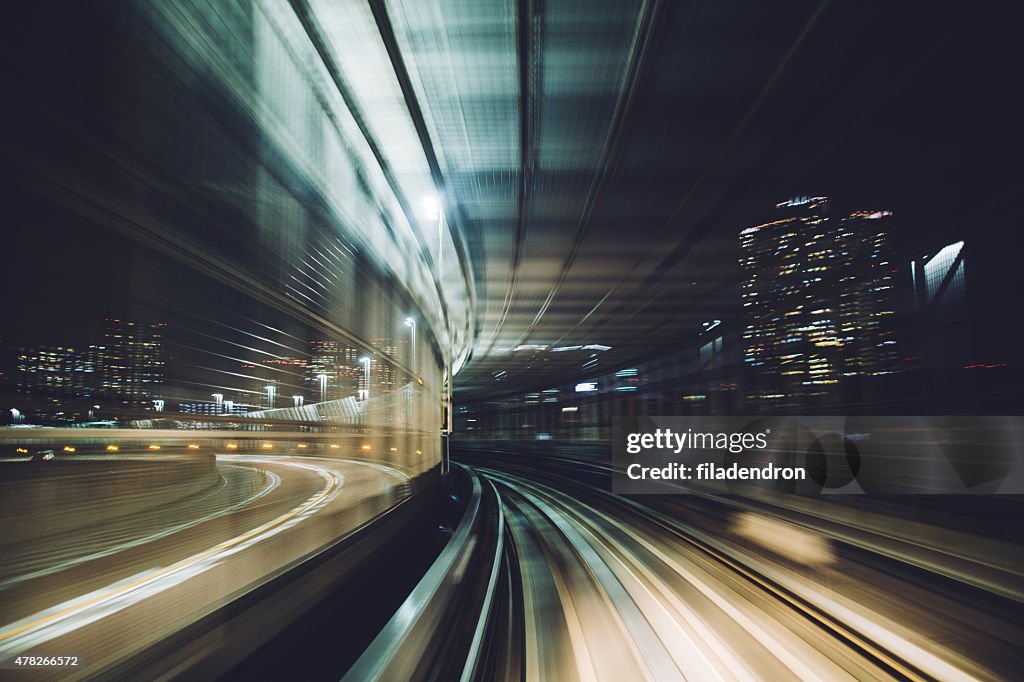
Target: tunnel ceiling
x,y
598,159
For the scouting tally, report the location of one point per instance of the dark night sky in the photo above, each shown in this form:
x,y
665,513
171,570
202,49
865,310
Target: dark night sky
x,y
904,106
939,137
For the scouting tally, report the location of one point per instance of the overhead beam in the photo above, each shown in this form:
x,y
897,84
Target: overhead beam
x,y
645,27
529,60
412,104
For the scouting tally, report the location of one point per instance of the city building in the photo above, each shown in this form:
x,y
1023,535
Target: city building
x,y
60,370
939,278
213,409
818,297
333,370
133,368
939,282
383,377
867,302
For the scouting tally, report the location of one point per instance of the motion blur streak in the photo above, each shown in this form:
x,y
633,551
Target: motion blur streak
x,y
295,507
612,588
321,318
53,563
165,577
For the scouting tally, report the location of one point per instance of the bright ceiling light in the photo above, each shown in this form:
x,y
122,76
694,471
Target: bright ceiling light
x,y
431,207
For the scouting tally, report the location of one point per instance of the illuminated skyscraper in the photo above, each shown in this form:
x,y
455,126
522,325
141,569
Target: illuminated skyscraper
x,y
60,370
817,293
133,361
866,296
338,364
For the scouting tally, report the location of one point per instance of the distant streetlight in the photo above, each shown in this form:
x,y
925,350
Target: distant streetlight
x,y
219,399
366,377
271,390
323,386
298,400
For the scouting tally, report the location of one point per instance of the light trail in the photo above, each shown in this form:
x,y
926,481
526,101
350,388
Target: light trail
x,y
612,549
76,613
273,481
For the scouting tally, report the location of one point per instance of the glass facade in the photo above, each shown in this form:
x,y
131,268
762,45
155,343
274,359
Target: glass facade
x,y
947,263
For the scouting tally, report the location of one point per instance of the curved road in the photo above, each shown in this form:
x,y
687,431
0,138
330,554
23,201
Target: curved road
x,y
102,593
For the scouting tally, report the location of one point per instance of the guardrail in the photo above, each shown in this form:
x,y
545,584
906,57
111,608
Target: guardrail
x,y
428,635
